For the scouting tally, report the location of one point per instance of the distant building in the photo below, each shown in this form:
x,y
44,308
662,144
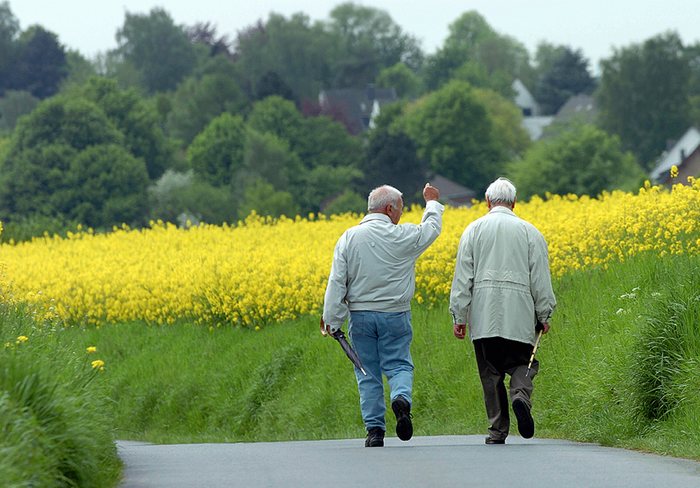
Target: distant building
x,y
357,108
580,107
535,125
685,154
452,193
524,99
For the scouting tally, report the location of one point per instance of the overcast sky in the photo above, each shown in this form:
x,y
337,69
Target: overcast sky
x,y
595,26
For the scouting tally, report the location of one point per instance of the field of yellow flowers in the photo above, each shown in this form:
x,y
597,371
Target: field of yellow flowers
x,y
262,271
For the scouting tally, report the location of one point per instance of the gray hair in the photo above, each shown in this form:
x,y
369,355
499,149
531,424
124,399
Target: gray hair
x,y
501,191
382,196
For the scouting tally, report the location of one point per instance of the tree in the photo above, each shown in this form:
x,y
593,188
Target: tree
x,y
217,152
392,159
158,49
200,99
566,76
262,198
204,33
584,160
67,160
135,119
369,40
40,63
506,122
454,133
473,40
400,78
643,95
268,157
299,53
9,30
13,105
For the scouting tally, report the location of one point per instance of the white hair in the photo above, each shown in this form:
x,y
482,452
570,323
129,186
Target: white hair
x,y
382,196
501,191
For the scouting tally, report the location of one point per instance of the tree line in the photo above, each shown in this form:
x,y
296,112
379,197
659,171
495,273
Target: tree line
x,y
179,122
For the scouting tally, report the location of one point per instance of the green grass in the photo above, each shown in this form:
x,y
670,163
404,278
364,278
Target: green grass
x,y
620,367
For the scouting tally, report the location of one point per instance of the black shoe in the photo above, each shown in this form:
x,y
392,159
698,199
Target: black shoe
x,y
375,437
491,440
526,425
402,410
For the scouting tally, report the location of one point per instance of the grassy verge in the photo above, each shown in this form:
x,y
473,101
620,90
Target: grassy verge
x,y
621,367
54,418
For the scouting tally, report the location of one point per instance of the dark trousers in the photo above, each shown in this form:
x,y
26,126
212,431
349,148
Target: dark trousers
x,y
496,357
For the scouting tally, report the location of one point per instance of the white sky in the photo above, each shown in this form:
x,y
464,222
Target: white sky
x,y
595,26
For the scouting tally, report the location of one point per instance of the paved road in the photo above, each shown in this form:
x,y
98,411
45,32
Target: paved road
x,y
426,462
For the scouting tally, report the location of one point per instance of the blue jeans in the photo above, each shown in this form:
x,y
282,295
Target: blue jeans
x,y
382,340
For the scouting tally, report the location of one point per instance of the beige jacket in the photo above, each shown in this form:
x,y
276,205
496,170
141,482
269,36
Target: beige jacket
x,y
373,265
502,284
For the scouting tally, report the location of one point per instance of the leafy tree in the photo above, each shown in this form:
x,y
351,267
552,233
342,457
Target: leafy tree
x,y
506,120
369,40
473,40
566,76
325,183
585,161
299,53
40,63
643,95
392,159
400,78
217,152
268,157
13,105
198,100
137,121
9,30
477,75
204,33
279,117
454,133
262,198
177,197
348,201
80,70
67,160
158,49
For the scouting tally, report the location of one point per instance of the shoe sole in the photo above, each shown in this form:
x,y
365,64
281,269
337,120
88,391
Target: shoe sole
x,y
526,424
404,426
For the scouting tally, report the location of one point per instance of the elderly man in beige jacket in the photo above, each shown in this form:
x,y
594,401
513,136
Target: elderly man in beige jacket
x,y
502,289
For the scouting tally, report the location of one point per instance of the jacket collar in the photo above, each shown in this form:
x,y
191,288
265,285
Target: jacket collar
x,y
376,216
504,210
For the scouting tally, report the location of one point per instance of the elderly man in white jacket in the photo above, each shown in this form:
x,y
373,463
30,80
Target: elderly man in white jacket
x,y
502,289
372,282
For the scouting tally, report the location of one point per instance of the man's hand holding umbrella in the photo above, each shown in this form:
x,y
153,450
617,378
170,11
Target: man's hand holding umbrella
x,y
339,335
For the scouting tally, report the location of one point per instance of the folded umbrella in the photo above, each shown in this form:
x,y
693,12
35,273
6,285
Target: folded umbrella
x,y
339,336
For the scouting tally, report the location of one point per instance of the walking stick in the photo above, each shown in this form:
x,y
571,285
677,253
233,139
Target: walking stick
x,y
539,327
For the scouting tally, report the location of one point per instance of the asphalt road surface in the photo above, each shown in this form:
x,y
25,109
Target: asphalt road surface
x,y
426,462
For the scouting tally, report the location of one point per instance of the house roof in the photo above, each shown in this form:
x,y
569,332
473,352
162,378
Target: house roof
x,y
579,106
356,104
523,98
683,148
452,192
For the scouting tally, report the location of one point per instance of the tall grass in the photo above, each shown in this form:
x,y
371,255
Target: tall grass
x,y
54,424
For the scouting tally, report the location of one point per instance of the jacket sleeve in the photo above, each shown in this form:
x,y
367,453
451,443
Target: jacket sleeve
x,y
540,279
430,226
335,308
461,293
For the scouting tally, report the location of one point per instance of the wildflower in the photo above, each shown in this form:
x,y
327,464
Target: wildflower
x,y
98,364
22,339
674,171
91,349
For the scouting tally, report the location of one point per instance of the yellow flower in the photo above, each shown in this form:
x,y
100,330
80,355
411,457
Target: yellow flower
x,y
91,349
21,339
674,171
98,364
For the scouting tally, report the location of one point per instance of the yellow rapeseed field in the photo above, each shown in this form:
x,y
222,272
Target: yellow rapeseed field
x,y
263,271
